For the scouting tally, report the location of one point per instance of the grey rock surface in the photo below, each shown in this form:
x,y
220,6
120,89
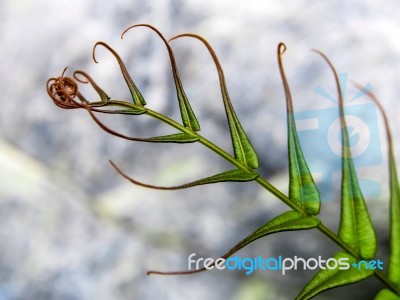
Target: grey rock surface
x,y
71,228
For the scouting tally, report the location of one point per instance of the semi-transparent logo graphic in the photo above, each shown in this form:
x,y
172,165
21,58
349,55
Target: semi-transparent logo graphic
x,y
320,137
279,263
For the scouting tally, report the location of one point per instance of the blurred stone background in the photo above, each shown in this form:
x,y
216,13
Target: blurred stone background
x,y
71,228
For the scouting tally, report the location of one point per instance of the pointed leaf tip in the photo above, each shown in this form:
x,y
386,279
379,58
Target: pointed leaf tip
x,y
281,48
242,147
356,227
232,176
394,198
135,93
188,116
302,188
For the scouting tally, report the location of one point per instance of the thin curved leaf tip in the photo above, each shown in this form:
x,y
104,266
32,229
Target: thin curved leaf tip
x,y
356,228
135,93
232,176
188,117
302,188
242,147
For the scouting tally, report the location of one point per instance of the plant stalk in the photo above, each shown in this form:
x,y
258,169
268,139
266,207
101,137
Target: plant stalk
x,y
268,186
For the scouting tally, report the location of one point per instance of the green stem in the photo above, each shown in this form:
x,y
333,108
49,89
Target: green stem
x,y
268,186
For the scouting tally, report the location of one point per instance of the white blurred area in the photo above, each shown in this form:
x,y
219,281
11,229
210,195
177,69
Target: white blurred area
x,y
71,228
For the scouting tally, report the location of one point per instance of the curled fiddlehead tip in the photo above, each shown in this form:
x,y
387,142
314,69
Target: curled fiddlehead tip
x,y
95,47
108,47
62,91
281,48
136,95
84,77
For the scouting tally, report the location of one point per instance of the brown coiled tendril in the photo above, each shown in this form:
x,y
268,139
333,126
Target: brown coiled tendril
x,y
63,90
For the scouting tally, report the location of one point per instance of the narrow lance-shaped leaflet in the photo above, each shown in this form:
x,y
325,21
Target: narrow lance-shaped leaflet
x,y
287,221
232,176
105,100
188,117
302,188
330,278
179,138
243,149
394,255
356,228
135,93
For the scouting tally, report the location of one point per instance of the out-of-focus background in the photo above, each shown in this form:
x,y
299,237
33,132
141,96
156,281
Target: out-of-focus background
x,y
71,228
